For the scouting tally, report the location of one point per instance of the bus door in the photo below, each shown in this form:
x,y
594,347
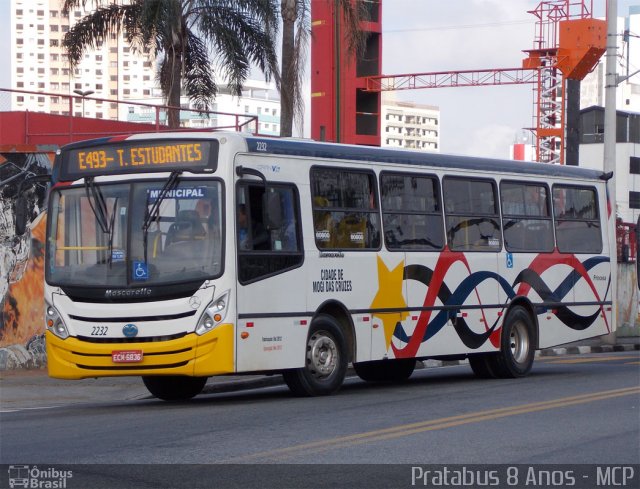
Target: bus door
x,y
271,293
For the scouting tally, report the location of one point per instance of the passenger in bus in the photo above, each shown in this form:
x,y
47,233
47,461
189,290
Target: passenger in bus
x,y
251,237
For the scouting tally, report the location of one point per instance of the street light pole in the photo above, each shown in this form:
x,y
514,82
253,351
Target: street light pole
x,y
611,82
83,94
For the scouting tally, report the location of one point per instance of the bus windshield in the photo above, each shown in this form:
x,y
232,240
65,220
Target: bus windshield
x,y
147,240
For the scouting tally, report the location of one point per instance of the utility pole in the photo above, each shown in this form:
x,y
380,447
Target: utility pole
x,y
611,83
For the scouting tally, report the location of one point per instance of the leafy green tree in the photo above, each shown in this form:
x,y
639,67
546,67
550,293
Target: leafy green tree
x,y
296,31
180,33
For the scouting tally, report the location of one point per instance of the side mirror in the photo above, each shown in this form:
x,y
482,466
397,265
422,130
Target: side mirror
x,y
273,210
22,214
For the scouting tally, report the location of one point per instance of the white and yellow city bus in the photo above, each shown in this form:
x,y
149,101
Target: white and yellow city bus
x,y
176,257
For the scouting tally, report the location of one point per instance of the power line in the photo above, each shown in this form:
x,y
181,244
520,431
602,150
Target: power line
x,y
464,26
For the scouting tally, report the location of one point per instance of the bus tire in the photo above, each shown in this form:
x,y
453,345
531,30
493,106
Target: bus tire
x,y
325,360
483,365
517,345
174,387
385,370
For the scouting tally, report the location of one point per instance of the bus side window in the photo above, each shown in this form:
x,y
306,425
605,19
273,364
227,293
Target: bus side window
x,y
268,230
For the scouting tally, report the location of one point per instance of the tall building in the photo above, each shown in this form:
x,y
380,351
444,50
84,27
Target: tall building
x,y
410,126
113,70
628,92
259,99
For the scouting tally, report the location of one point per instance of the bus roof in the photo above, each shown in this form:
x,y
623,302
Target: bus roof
x,y
396,156
313,149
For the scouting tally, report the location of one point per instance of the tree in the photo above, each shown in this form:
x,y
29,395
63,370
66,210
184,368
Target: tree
x,y
178,33
296,31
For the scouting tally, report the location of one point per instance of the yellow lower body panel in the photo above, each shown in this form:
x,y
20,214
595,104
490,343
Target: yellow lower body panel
x,y
191,355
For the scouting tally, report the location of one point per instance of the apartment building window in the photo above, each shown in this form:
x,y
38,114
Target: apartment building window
x,y
98,115
98,72
146,78
20,84
20,99
40,71
98,86
77,86
113,64
41,100
146,92
41,27
147,64
40,13
113,78
113,50
125,64
53,13
19,26
40,56
126,91
65,28
19,41
77,14
65,87
40,85
113,92
126,78
40,42
54,43
65,71
55,100
634,200
19,12
55,86
126,49
19,70
76,72
18,55
98,57
634,165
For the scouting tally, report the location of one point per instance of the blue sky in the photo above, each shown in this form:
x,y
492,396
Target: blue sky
x,y
434,35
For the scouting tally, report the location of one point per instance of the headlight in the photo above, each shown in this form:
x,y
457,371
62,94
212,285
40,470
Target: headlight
x,y
214,314
54,322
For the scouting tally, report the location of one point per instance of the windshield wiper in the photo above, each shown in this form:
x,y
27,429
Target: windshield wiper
x,y
153,214
100,207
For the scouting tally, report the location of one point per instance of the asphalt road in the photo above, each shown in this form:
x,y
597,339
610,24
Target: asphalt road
x,y
582,409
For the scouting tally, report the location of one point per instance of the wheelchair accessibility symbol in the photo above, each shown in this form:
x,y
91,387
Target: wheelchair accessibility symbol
x,y
509,260
140,270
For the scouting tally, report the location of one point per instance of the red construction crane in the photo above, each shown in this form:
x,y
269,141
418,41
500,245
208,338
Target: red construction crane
x,y
567,46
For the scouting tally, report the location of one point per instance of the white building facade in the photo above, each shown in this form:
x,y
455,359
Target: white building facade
x,y
38,63
410,126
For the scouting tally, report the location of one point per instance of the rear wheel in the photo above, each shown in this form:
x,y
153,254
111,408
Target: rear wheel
x,y
483,365
385,370
174,387
517,345
325,360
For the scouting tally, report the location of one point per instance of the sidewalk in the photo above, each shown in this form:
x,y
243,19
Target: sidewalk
x,y
33,388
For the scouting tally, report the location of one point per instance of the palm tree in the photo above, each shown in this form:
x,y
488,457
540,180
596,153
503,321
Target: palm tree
x,y
179,33
296,32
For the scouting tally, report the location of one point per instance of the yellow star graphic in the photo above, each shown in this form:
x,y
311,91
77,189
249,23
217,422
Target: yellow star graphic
x,y
389,296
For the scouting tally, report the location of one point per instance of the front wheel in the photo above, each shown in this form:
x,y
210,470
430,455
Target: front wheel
x,y
174,387
325,360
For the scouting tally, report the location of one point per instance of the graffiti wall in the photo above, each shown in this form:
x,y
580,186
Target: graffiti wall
x,y
22,257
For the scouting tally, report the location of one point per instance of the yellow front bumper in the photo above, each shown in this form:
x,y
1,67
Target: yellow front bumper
x,y
191,355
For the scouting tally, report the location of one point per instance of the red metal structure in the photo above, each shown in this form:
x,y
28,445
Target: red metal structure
x,y
342,110
568,43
